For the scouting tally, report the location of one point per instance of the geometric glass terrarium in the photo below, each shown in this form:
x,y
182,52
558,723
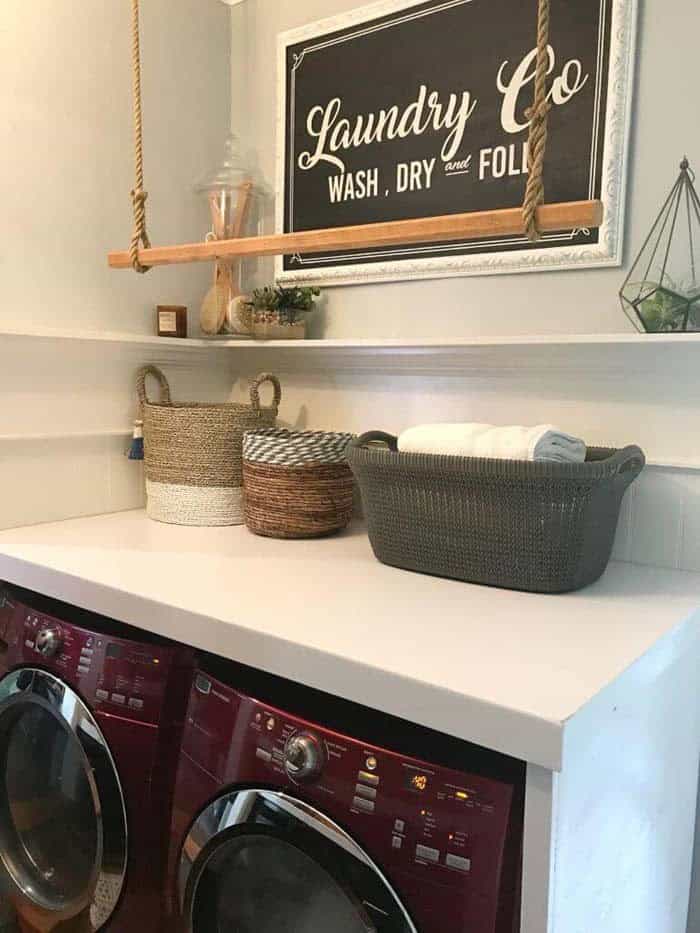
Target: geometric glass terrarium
x,y
662,292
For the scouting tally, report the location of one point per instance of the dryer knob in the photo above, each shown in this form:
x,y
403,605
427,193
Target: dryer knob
x,y
49,641
303,757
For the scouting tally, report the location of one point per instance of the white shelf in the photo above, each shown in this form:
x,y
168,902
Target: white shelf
x,y
455,343
589,356
118,337
377,344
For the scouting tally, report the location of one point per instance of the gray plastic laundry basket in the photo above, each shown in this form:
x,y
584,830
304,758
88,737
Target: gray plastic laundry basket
x,y
542,527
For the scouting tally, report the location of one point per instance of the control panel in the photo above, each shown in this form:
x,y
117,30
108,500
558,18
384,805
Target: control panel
x,y
419,820
429,818
113,674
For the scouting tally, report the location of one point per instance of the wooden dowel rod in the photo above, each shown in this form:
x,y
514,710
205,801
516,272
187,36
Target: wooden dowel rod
x,y
472,226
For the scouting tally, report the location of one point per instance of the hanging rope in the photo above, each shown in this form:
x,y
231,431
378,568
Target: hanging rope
x,y
138,195
537,114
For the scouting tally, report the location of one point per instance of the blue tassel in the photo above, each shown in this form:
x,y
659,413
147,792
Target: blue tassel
x,y
136,449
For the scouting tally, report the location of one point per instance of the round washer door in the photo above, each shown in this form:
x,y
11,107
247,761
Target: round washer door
x,y
256,858
63,836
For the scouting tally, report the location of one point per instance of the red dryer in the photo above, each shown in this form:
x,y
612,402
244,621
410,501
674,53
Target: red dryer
x,y
295,812
91,715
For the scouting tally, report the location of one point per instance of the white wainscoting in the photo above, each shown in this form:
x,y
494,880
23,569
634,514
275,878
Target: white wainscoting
x,y
66,416
660,520
610,394
68,405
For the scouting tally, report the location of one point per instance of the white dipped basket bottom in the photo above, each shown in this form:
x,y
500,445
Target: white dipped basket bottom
x,y
193,452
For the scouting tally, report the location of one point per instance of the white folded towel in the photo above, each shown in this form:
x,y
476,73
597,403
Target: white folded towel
x,y
542,442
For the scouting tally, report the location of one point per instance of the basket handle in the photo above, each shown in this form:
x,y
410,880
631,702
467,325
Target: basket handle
x,y
141,385
255,394
629,462
391,441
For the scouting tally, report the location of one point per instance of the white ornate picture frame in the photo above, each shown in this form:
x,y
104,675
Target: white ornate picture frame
x,y
431,264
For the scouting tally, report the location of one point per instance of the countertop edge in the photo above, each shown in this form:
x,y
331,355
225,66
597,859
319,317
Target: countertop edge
x,y
524,736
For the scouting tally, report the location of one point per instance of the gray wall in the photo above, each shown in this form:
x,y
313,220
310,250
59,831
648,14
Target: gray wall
x,y
66,142
665,127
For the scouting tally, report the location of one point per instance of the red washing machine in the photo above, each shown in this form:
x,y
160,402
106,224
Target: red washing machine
x,y
295,812
91,715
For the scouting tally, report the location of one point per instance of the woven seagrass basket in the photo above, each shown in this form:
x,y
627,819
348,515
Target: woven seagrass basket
x,y
193,453
297,483
541,527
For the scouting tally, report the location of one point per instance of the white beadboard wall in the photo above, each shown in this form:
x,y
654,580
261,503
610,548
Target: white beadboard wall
x,y
64,432
611,395
66,416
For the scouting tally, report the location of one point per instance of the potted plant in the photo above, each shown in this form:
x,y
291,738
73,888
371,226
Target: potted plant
x,y
280,313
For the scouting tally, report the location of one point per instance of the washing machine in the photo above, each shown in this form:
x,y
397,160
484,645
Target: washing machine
x,y
91,715
295,812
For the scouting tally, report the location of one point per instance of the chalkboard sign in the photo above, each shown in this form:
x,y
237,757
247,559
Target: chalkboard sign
x,y
405,110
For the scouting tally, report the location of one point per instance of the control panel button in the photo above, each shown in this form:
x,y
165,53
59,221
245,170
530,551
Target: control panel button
x,y
361,804
365,777
371,763
361,790
119,699
29,643
396,842
49,641
399,826
135,703
101,694
270,724
202,684
457,861
303,757
263,755
83,670
87,652
427,854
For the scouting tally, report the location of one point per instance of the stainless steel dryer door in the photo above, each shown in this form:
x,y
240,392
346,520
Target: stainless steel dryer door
x,y
259,861
63,838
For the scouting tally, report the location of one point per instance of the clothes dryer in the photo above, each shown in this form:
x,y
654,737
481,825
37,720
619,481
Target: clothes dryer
x,y
296,812
91,715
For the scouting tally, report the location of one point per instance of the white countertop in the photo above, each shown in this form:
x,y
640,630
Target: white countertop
x,y
503,669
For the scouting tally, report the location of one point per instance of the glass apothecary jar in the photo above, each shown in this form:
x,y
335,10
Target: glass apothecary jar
x,y
231,197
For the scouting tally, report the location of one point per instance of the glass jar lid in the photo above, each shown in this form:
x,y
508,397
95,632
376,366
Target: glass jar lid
x,y
229,174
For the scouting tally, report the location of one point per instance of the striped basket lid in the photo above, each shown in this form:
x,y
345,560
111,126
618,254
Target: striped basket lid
x,y
295,448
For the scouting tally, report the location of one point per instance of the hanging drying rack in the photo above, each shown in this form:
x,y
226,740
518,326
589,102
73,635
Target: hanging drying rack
x,y
532,219
474,225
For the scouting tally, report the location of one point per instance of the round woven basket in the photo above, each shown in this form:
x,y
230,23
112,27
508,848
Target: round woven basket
x,y
297,483
193,453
